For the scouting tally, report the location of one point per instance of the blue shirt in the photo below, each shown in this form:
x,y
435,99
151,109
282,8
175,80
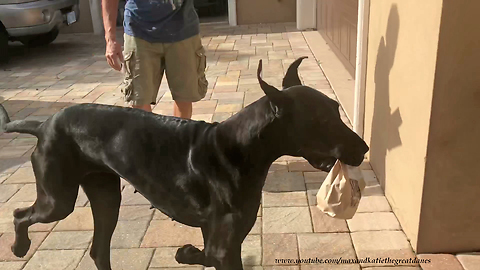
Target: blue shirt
x,y
161,20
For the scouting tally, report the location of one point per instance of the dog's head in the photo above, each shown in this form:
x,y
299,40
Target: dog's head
x,y
312,122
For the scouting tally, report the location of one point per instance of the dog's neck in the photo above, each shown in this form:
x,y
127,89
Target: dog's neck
x,y
256,132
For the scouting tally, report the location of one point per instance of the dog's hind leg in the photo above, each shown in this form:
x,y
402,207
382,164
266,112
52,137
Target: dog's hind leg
x,y
55,201
103,191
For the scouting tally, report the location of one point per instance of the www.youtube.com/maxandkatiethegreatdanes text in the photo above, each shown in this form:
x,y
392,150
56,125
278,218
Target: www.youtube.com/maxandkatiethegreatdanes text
x,y
353,261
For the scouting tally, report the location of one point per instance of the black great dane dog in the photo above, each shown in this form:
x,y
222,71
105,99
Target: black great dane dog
x,y
200,174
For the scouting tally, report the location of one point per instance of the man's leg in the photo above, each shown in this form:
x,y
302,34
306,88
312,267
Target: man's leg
x,y
143,72
185,64
183,109
147,108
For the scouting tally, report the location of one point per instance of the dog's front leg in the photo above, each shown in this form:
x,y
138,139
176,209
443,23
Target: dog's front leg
x,y
225,255
223,242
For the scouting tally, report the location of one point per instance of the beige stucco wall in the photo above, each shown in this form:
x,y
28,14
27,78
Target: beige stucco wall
x,y
450,217
402,52
265,11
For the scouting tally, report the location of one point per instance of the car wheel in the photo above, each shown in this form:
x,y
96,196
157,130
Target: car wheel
x,y
41,40
3,47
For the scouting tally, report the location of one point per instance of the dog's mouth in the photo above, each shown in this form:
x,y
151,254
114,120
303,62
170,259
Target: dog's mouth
x,y
353,160
326,163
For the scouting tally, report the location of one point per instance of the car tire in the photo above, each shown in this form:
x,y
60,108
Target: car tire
x,y
4,56
41,40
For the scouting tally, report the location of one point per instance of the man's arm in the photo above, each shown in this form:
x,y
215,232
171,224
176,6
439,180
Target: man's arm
x,y
113,51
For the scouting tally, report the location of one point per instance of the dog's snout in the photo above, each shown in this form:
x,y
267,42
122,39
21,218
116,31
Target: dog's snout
x,y
359,146
355,153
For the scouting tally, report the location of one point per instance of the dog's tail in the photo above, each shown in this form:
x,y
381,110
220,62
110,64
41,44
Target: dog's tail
x,y
21,126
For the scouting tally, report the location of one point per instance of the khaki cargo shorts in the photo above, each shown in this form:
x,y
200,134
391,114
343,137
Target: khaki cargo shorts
x,y
184,63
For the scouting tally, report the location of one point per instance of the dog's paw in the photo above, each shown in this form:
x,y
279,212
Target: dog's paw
x,y
189,254
20,212
20,248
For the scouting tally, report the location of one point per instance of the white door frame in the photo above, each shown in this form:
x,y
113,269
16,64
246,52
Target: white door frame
x,y
96,16
361,67
232,12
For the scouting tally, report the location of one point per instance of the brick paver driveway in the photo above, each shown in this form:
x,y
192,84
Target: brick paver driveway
x,y
72,70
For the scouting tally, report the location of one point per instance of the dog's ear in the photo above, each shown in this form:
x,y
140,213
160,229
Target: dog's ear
x,y
278,99
271,92
291,78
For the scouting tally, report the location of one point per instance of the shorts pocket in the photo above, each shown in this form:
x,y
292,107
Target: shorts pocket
x,y
202,65
127,88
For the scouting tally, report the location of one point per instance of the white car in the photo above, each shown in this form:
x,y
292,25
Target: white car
x,y
34,22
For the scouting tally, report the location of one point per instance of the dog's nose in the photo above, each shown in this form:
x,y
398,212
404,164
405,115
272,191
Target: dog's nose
x,y
364,148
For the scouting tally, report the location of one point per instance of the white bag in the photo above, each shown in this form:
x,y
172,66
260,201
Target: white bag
x,y
341,191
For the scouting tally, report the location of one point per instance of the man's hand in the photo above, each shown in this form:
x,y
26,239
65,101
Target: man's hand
x,y
113,51
114,55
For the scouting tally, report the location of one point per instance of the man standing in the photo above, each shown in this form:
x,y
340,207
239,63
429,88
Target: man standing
x,y
160,36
